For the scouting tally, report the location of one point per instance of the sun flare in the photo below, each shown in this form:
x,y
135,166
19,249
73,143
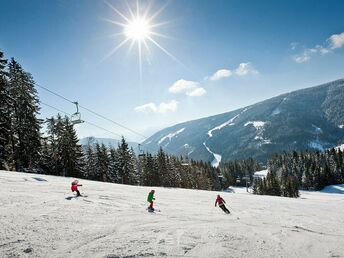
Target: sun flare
x,y
137,29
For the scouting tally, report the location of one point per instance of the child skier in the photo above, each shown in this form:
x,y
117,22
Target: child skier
x,y
221,202
74,187
150,199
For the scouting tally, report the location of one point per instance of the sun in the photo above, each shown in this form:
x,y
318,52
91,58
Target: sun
x,y
137,29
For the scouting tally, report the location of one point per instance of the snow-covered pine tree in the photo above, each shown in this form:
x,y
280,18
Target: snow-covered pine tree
x,y
5,117
133,167
114,165
173,173
26,140
54,138
102,163
64,150
162,168
45,163
150,175
90,163
72,155
126,166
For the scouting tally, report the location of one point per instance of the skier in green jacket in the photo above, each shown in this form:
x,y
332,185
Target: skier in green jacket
x,y
150,199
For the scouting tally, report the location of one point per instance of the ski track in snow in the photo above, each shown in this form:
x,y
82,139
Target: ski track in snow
x,y
170,136
218,157
228,123
113,222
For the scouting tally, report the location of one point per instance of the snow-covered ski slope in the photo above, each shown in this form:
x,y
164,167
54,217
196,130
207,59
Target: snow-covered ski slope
x,y
38,220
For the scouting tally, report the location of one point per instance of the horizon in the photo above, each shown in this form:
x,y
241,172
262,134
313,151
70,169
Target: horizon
x,y
202,58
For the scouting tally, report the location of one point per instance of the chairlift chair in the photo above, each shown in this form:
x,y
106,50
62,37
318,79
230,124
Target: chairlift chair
x,y
141,153
76,117
186,162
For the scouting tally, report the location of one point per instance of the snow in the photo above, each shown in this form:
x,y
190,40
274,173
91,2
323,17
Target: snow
x,y
228,123
341,126
257,124
262,173
337,189
170,135
112,222
217,157
340,147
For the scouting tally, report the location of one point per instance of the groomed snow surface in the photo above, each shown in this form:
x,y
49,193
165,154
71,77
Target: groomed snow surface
x,y
40,218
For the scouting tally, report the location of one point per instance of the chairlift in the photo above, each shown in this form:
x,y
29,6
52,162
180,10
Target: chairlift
x,y
76,117
141,153
186,162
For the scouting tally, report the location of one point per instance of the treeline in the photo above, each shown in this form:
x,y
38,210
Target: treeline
x,y
121,165
286,185
56,151
312,170
237,172
289,172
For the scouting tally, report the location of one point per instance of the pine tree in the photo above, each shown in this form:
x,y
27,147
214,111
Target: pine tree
x,y
126,170
6,154
26,136
65,152
90,163
150,174
71,151
102,163
114,166
162,168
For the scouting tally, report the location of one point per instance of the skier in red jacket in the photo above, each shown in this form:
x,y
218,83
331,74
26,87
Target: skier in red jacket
x,y
74,187
221,202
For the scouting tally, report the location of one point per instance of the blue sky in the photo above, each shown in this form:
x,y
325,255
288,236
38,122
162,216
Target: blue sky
x,y
231,54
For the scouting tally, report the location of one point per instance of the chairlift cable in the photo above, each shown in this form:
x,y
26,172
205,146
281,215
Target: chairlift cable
x,y
92,124
87,122
93,112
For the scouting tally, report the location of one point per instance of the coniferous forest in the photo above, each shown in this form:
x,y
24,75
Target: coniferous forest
x,y
24,146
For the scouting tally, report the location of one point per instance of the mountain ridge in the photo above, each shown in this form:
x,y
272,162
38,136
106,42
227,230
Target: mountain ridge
x,y
259,127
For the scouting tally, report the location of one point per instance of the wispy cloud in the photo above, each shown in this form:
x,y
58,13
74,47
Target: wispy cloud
x,y
242,70
190,88
333,42
307,54
162,108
